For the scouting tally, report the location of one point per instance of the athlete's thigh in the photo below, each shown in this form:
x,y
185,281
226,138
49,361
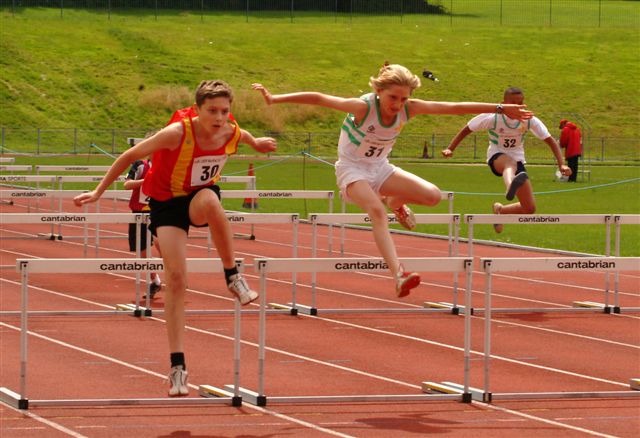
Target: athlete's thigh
x,y
361,194
411,188
504,162
174,248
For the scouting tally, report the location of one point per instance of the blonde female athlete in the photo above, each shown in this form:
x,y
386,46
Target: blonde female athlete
x,y
188,157
368,133
505,154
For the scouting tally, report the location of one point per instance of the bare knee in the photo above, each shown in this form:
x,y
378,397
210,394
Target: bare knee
x,y
377,213
528,209
176,282
433,199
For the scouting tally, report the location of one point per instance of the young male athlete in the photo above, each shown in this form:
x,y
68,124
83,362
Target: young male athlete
x,y
188,157
505,154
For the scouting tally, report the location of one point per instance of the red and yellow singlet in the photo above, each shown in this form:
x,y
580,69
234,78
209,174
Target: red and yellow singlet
x,y
180,171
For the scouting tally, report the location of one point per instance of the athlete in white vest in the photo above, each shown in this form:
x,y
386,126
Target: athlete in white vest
x,y
505,154
364,174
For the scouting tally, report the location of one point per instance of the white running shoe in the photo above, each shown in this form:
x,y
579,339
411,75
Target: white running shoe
x,y
178,382
241,290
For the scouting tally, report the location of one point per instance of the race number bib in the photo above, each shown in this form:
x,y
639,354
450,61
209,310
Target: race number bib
x,y
509,142
371,147
206,168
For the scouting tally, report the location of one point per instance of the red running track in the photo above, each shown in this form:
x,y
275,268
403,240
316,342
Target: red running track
x,y
120,356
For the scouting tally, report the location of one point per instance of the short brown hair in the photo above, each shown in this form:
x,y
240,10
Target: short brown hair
x,y
211,89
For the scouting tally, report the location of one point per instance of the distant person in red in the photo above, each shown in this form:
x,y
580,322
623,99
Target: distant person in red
x,y
571,141
190,111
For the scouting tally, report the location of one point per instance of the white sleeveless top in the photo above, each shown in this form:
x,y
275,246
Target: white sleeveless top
x,y
507,135
370,141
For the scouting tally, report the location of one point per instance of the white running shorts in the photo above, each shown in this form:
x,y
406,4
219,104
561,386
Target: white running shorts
x,y
375,174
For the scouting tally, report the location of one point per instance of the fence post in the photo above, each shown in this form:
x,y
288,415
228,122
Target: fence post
x,y
602,149
451,13
75,141
599,13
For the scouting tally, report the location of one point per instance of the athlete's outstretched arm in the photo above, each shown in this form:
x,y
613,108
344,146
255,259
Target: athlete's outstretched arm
x,y
448,152
419,106
260,144
347,105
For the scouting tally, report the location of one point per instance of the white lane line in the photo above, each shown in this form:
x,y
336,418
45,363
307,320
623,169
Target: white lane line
x,y
52,424
153,373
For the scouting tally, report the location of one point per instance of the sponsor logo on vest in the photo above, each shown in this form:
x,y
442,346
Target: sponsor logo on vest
x,y
539,219
590,264
136,266
362,266
63,219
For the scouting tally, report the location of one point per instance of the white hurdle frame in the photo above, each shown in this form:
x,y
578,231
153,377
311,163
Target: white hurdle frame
x,y
551,219
494,265
362,218
83,266
618,220
263,266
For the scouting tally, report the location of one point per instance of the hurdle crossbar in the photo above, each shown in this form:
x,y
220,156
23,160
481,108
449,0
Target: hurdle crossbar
x,y
362,218
84,266
15,168
264,266
561,264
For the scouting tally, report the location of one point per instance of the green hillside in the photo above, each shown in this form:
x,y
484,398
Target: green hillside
x,y
89,72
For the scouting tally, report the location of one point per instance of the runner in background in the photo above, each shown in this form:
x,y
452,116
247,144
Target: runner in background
x,y
505,154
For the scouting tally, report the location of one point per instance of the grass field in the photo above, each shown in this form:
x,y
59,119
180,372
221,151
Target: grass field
x,y
115,76
475,191
130,72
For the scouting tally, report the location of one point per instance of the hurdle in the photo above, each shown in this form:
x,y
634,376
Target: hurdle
x,y
278,194
264,266
7,160
618,220
352,218
15,168
26,267
560,219
562,264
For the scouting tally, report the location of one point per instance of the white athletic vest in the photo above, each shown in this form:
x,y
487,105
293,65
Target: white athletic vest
x,y
370,141
507,135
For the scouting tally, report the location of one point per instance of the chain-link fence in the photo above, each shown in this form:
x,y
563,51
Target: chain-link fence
x,y
582,13
321,144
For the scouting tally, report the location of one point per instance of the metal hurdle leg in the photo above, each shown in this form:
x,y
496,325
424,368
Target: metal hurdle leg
x,y
24,328
487,331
